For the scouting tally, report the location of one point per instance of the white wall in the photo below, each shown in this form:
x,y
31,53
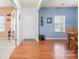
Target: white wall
x,y
18,6
29,23
18,27
15,26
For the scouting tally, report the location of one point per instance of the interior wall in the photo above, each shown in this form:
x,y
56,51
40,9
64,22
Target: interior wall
x,y
19,23
71,19
16,25
18,6
29,23
4,12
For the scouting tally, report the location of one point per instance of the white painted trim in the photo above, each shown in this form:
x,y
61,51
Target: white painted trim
x,y
55,38
29,38
38,7
13,3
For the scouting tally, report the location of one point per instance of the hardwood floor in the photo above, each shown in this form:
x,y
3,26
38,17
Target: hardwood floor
x,y
49,49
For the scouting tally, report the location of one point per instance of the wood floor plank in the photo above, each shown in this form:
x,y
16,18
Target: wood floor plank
x,y
48,49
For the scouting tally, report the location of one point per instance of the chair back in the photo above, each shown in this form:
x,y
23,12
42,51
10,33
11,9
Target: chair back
x,y
69,30
75,30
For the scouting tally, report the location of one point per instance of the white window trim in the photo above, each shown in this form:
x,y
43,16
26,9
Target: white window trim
x,y
58,20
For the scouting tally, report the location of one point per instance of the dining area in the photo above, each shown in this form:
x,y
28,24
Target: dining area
x,y
72,39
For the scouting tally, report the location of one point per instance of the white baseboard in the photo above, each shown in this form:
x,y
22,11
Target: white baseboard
x,y
55,38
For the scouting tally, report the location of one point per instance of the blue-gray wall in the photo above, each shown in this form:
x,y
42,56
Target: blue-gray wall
x,y
48,29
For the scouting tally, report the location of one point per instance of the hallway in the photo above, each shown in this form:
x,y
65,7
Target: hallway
x,y
49,49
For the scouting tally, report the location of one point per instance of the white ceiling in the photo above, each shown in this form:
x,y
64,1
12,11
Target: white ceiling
x,y
50,3
5,3
29,3
59,3
45,3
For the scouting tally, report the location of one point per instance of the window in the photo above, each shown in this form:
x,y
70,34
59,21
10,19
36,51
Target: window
x,y
59,23
2,23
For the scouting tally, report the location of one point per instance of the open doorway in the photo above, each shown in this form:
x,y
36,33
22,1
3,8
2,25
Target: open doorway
x,y
7,23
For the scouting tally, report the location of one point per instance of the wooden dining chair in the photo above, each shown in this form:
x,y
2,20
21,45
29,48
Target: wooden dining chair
x,y
68,30
72,38
75,41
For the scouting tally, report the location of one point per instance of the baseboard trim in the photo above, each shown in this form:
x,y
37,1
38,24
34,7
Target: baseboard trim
x,y
29,40
55,38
